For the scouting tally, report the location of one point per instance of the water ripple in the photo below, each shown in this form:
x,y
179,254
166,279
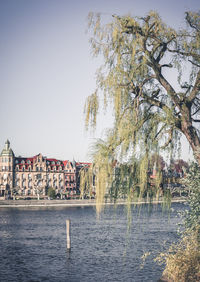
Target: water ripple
x,y
33,244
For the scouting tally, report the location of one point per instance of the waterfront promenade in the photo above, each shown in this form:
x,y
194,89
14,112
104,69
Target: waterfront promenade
x,y
68,203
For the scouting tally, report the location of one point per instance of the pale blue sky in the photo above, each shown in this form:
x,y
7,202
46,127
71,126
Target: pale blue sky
x,y
47,71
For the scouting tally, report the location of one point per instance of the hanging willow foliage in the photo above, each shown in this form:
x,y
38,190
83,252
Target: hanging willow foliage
x,y
150,115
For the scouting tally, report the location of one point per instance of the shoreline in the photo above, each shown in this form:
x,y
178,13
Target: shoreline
x,y
70,203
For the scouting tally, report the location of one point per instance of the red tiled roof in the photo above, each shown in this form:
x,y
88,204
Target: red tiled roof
x,y
82,163
62,163
65,162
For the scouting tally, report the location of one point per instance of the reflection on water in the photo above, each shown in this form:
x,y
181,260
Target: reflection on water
x,y
33,243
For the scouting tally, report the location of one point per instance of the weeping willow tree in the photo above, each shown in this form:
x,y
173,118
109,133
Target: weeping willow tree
x,y
151,111
86,181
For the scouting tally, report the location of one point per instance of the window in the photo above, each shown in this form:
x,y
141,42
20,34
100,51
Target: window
x,y
41,169
38,176
29,176
16,161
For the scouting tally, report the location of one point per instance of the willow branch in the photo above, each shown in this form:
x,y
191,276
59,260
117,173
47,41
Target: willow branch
x,y
195,89
195,120
169,139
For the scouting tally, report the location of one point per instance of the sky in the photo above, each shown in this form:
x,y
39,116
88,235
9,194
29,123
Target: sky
x,y
47,71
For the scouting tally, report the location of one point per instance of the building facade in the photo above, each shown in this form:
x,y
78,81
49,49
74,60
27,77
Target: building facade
x,y
33,176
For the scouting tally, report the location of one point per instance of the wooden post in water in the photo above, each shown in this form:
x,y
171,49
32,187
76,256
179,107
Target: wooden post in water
x,y
68,234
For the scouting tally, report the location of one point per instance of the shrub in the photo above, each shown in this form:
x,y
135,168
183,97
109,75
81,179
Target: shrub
x,y
183,259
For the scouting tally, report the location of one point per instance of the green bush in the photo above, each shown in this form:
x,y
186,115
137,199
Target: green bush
x,y
183,259
192,215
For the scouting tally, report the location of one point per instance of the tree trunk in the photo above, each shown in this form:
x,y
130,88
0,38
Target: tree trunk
x,y
190,133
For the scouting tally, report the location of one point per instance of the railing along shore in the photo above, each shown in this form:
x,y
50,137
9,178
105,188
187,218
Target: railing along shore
x,y
74,203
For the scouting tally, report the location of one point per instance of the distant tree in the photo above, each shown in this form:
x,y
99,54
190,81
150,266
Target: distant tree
x,y
51,193
158,161
179,165
150,111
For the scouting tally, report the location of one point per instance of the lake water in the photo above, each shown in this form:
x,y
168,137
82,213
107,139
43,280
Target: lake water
x,y
33,243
